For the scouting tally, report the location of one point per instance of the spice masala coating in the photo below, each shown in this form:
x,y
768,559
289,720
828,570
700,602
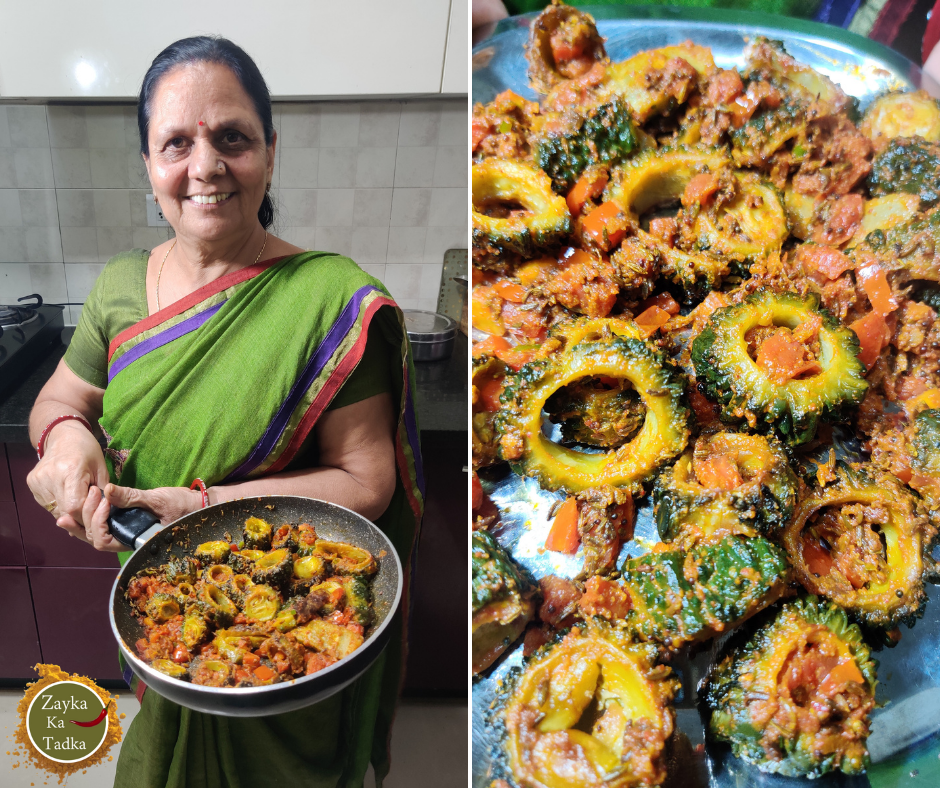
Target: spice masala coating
x,y
280,604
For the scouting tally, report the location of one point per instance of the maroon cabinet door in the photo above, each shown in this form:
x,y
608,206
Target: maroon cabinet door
x,y
44,543
20,649
11,543
438,636
72,612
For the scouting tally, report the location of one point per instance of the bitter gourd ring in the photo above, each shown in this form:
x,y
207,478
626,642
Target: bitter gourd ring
x,y
722,362
621,746
543,222
689,509
891,596
663,435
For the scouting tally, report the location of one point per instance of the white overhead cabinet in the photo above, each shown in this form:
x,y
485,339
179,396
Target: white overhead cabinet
x,y
62,49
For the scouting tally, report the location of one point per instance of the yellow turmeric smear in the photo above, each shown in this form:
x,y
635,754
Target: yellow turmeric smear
x,y
50,674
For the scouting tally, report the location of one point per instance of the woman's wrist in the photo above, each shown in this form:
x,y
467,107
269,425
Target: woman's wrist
x,y
62,430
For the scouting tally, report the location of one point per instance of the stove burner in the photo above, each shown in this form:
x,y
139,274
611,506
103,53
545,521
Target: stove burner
x,y
15,316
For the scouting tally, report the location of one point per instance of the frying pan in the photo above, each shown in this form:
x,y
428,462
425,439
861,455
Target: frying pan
x,y
155,545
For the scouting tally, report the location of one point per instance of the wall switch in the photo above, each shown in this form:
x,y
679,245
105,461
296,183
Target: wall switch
x,y
155,217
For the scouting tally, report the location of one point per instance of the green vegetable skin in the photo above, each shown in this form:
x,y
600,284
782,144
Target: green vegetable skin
x,y
763,503
747,681
907,165
910,248
765,133
499,181
926,443
900,597
503,600
603,135
722,363
736,578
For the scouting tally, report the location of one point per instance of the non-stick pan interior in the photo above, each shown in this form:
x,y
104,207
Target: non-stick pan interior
x,y
225,521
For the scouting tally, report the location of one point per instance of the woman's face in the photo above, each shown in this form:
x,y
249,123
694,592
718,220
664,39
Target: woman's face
x,y
206,141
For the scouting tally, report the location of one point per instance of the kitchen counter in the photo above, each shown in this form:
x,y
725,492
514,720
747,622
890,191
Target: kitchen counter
x,y
441,401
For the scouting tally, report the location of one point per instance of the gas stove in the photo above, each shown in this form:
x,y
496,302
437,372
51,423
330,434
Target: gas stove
x,y
28,332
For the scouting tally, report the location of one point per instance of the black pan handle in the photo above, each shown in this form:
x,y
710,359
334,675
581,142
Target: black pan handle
x,y
126,525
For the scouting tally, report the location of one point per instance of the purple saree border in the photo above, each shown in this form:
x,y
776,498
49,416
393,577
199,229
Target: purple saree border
x,y
311,371
187,326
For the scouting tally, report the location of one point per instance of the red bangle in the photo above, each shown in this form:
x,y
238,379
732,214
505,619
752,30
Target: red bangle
x,y
197,482
58,420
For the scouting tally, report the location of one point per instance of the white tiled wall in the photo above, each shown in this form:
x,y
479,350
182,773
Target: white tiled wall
x,y
384,182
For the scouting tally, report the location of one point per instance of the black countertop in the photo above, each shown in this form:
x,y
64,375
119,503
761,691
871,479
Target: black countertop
x,y
441,401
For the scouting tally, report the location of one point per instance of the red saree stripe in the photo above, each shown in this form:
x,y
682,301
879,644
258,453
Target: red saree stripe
x,y
204,292
345,367
405,473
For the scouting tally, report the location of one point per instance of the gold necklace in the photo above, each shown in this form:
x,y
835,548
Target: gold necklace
x,y
160,272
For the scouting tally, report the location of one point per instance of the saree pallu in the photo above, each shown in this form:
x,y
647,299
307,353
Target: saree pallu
x,y
227,385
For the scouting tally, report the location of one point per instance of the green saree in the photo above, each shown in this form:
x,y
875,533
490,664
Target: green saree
x,y
227,385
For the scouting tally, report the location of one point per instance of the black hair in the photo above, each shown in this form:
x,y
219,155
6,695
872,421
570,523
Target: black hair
x,y
210,49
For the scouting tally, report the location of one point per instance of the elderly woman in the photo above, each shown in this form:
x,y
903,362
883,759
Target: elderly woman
x,y
232,356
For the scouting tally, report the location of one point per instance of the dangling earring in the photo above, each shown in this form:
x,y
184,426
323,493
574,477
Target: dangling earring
x,y
155,201
267,188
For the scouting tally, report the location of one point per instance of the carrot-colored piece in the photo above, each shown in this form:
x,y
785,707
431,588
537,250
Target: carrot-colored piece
x,y
563,536
830,262
651,320
510,291
588,187
489,394
480,130
719,472
700,189
873,336
664,301
606,225
604,598
839,676
874,282
782,358
263,672
817,558
491,346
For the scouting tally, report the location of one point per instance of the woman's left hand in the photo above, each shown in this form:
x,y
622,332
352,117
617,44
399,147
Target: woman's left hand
x,y
168,503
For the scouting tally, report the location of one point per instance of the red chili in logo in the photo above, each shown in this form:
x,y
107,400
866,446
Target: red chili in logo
x,y
96,721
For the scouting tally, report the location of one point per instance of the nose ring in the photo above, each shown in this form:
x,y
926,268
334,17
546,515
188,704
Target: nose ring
x,y
220,166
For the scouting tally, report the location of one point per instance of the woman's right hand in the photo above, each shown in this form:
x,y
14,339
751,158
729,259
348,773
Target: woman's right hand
x,y
72,464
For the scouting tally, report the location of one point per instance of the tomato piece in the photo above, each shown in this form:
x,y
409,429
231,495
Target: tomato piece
x,y
873,336
181,654
838,677
251,661
874,282
510,291
604,598
264,673
817,558
563,536
651,320
664,301
665,229
575,91
910,387
724,87
782,358
606,225
830,262
491,346
480,130
589,186
719,472
489,394
700,189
